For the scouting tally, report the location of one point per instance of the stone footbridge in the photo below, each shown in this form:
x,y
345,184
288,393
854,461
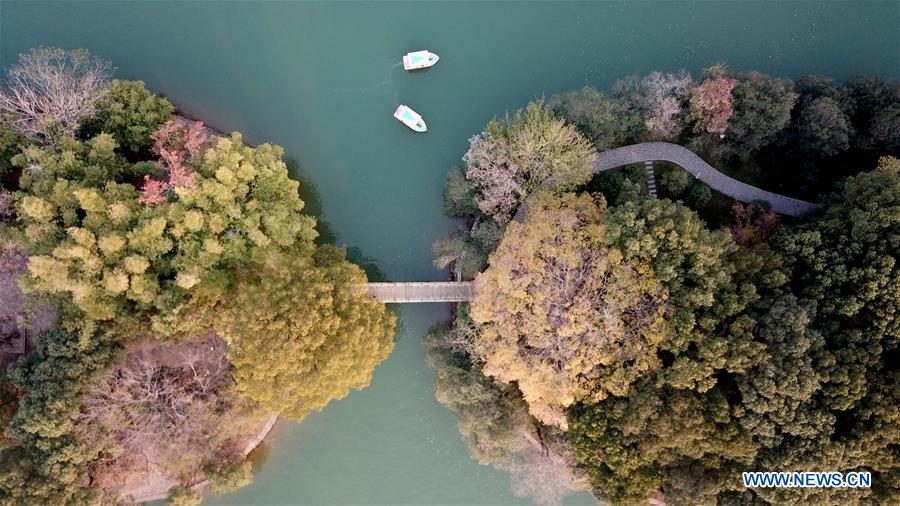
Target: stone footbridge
x,y
414,292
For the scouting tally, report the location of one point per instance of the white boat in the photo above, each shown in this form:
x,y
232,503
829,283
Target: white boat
x,y
419,60
410,118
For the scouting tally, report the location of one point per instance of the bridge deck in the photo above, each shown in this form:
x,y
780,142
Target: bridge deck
x,y
422,291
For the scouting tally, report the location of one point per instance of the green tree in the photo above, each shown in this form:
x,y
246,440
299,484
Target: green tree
x,y
183,496
10,145
131,113
9,404
884,130
494,422
823,127
608,122
619,186
491,417
50,452
762,108
301,332
846,261
488,234
231,478
466,257
805,385
459,195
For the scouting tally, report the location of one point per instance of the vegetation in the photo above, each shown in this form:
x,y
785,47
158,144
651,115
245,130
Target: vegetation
x,y
157,244
51,90
300,336
494,423
511,158
669,357
131,113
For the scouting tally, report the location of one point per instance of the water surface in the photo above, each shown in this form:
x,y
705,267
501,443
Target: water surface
x,y
323,79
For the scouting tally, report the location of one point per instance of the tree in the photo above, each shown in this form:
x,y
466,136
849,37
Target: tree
x,y
619,186
494,422
175,408
884,132
51,90
10,142
488,234
675,180
231,478
663,95
752,224
7,206
491,417
301,333
116,258
846,262
712,105
9,404
762,108
131,113
562,314
177,146
823,128
807,390
456,249
511,158
50,455
867,95
608,122
459,195
183,496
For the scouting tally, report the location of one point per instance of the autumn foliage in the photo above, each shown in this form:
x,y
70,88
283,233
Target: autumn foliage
x,y
712,105
752,224
176,145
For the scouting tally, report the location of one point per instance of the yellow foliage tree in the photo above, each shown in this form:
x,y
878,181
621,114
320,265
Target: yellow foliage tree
x,y
300,335
564,315
115,257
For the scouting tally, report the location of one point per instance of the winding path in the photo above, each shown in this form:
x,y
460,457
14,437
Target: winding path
x,y
689,161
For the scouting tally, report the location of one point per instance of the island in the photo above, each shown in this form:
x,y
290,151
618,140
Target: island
x,y
174,300
644,325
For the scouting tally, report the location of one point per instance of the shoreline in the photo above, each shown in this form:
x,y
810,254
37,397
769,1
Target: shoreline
x,y
254,442
157,495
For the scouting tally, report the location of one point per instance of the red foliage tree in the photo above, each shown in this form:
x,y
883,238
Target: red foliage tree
x,y
752,224
712,105
153,191
176,144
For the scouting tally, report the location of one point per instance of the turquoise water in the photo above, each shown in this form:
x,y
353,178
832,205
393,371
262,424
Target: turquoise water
x,y
323,79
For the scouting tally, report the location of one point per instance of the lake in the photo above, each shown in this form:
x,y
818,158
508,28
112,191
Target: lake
x,y
322,80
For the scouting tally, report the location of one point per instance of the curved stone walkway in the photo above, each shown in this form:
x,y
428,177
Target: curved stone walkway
x,y
689,161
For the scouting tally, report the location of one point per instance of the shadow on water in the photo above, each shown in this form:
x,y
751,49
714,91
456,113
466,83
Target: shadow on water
x,y
259,455
312,200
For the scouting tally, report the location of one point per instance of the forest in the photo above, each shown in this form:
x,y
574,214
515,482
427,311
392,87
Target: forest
x,y
640,346
164,296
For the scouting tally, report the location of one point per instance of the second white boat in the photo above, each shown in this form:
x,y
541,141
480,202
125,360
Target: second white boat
x,y
410,118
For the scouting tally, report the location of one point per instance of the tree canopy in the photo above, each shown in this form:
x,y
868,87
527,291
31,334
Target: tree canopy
x,y
112,255
512,157
301,335
562,314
